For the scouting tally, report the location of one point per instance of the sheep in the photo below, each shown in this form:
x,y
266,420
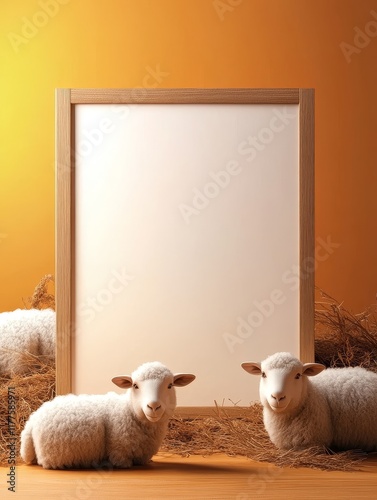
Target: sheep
x,y
25,330
117,429
336,408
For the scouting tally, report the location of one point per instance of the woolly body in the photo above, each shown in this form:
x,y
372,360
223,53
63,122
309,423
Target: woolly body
x,y
25,330
335,408
87,430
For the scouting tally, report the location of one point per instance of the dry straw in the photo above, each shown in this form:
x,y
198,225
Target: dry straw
x,y
245,436
342,339
31,389
42,298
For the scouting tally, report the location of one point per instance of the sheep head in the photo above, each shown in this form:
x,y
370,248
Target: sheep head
x,y
152,390
283,382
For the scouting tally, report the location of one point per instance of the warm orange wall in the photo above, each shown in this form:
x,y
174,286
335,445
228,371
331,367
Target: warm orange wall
x,y
111,43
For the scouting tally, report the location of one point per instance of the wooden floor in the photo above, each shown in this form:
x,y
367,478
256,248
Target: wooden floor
x,y
213,477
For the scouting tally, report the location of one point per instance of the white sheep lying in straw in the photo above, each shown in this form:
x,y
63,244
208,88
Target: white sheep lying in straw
x,y
25,330
87,430
335,408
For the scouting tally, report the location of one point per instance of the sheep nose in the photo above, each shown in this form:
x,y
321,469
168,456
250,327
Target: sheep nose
x,y
154,406
278,396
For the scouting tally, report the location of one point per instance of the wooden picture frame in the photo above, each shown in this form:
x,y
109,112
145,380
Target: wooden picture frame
x,y
67,102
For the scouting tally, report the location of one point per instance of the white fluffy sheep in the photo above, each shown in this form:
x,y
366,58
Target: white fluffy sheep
x,y
25,330
123,430
335,407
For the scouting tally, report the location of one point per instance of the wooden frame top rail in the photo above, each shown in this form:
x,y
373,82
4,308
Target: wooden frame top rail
x,y
187,95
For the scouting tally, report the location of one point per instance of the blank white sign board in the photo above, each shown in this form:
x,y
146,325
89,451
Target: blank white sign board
x,y
186,241
181,249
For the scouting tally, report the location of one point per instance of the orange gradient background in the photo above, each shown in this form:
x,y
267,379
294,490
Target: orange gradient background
x,y
199,43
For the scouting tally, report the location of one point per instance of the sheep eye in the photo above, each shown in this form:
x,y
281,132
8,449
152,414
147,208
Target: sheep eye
x,y
264,375
170,386
135,386
298,376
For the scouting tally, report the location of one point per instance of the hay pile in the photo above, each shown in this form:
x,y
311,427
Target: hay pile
x,y
31,389
342,339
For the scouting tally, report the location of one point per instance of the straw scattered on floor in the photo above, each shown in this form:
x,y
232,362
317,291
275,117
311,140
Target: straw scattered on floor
x,y
245,436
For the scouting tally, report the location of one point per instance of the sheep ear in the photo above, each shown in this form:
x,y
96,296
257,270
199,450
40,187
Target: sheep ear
x,y
123,381
252,368
181,379
312,369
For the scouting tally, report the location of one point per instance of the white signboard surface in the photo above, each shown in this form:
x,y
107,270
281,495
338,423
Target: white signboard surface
x,y
186,243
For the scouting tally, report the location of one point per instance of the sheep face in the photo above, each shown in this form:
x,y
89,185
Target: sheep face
x,y
283,383
153,395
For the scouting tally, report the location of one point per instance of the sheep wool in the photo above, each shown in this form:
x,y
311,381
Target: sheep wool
x,y
25,330
307,405
121,430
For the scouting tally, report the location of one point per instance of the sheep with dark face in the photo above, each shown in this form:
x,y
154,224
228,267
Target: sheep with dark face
x,y
306,405
123,430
